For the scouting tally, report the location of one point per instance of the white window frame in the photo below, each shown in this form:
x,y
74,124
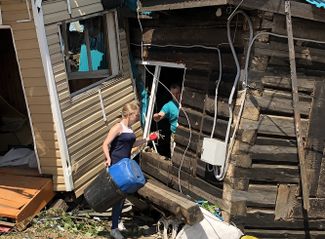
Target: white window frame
x,y
113,52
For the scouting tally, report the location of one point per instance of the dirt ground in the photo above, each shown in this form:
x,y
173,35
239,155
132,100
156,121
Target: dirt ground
x,y
85,224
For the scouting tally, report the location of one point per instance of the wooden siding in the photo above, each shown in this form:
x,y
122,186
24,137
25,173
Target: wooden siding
x,y
82,115
34,82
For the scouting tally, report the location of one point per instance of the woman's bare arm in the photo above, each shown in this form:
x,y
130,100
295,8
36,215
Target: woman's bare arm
x,y
112,134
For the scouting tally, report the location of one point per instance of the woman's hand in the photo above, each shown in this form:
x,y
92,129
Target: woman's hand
x,y
108,162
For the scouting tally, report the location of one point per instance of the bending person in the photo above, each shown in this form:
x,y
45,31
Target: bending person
x,y
170,111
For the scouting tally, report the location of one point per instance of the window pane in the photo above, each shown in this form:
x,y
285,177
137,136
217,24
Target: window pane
x,y
87,45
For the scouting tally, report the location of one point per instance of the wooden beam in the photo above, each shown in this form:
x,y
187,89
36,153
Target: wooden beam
x,y
295,96
264,218
172,201
165,172
315,142
285,201
160,5
316,211
298,9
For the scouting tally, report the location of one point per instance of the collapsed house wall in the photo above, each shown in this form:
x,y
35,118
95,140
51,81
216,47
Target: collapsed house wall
x,y
261,189
266,170
83,113
17,15
175,37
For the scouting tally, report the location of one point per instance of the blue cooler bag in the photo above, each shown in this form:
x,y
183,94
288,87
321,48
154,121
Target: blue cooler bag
x,y
127,175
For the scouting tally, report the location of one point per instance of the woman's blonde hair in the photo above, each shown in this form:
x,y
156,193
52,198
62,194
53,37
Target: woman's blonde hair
x,y
130,108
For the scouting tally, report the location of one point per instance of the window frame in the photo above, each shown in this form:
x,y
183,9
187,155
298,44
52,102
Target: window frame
x,y
113,54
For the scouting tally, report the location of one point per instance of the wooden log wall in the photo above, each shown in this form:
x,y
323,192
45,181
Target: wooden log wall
x,y
261,190
187,28
265,162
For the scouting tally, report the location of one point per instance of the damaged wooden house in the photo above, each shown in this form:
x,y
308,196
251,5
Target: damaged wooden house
x,y
251,131
64,78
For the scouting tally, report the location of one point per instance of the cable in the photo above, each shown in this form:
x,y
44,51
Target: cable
x,y
216,94
220,175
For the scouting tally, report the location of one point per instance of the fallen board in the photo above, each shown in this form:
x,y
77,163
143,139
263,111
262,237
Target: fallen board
x,y
172,201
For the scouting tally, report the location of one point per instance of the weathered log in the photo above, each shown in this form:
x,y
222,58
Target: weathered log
x,y
306,55
302,28
273,153
315,142
172,201
280,103
195,120
264,218
288,234
316,209
273,125
165,172
268,80
270,173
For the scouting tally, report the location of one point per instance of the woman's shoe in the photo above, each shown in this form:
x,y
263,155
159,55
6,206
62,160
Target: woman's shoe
x,y
116,234
121,226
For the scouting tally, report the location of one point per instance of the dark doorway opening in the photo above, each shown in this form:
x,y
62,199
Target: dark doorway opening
x,y
168,76
14,122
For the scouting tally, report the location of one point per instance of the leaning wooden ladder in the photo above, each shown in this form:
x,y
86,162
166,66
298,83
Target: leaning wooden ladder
x,y
295,96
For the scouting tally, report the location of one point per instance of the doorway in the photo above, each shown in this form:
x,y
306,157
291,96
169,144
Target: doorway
x,y
159,78
16,141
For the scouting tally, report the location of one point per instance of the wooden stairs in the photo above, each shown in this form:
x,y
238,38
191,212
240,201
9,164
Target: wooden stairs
x,y
23,193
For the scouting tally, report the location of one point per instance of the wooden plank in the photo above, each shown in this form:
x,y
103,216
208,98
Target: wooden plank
x,y
27,196
267,80
302,28
272,153
261,196
172,5
321,180
19,171
263,218
298,9
38,202
307,55
316,210
297,116
289,234
269,173
274,102
171,200
165,172
195,121
285,201
315,141
272,125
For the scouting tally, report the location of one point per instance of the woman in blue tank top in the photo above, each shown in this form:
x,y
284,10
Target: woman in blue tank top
x,y
118,145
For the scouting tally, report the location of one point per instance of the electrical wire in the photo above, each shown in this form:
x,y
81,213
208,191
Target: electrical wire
x,y
216,94
219,175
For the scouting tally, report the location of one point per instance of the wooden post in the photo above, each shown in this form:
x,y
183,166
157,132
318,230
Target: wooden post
x,y
295,97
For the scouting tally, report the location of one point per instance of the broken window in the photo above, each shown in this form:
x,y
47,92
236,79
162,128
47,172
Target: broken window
x,y
90,49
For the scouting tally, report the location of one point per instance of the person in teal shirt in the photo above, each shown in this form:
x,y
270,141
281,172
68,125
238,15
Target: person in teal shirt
x,y
170,111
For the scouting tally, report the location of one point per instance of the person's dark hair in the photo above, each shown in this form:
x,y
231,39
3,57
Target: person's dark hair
x,y
174,86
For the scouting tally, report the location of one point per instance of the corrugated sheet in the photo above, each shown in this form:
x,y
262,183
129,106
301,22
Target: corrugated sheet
x,y
35,87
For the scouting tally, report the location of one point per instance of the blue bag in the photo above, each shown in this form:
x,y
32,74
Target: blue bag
x,y
127,175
